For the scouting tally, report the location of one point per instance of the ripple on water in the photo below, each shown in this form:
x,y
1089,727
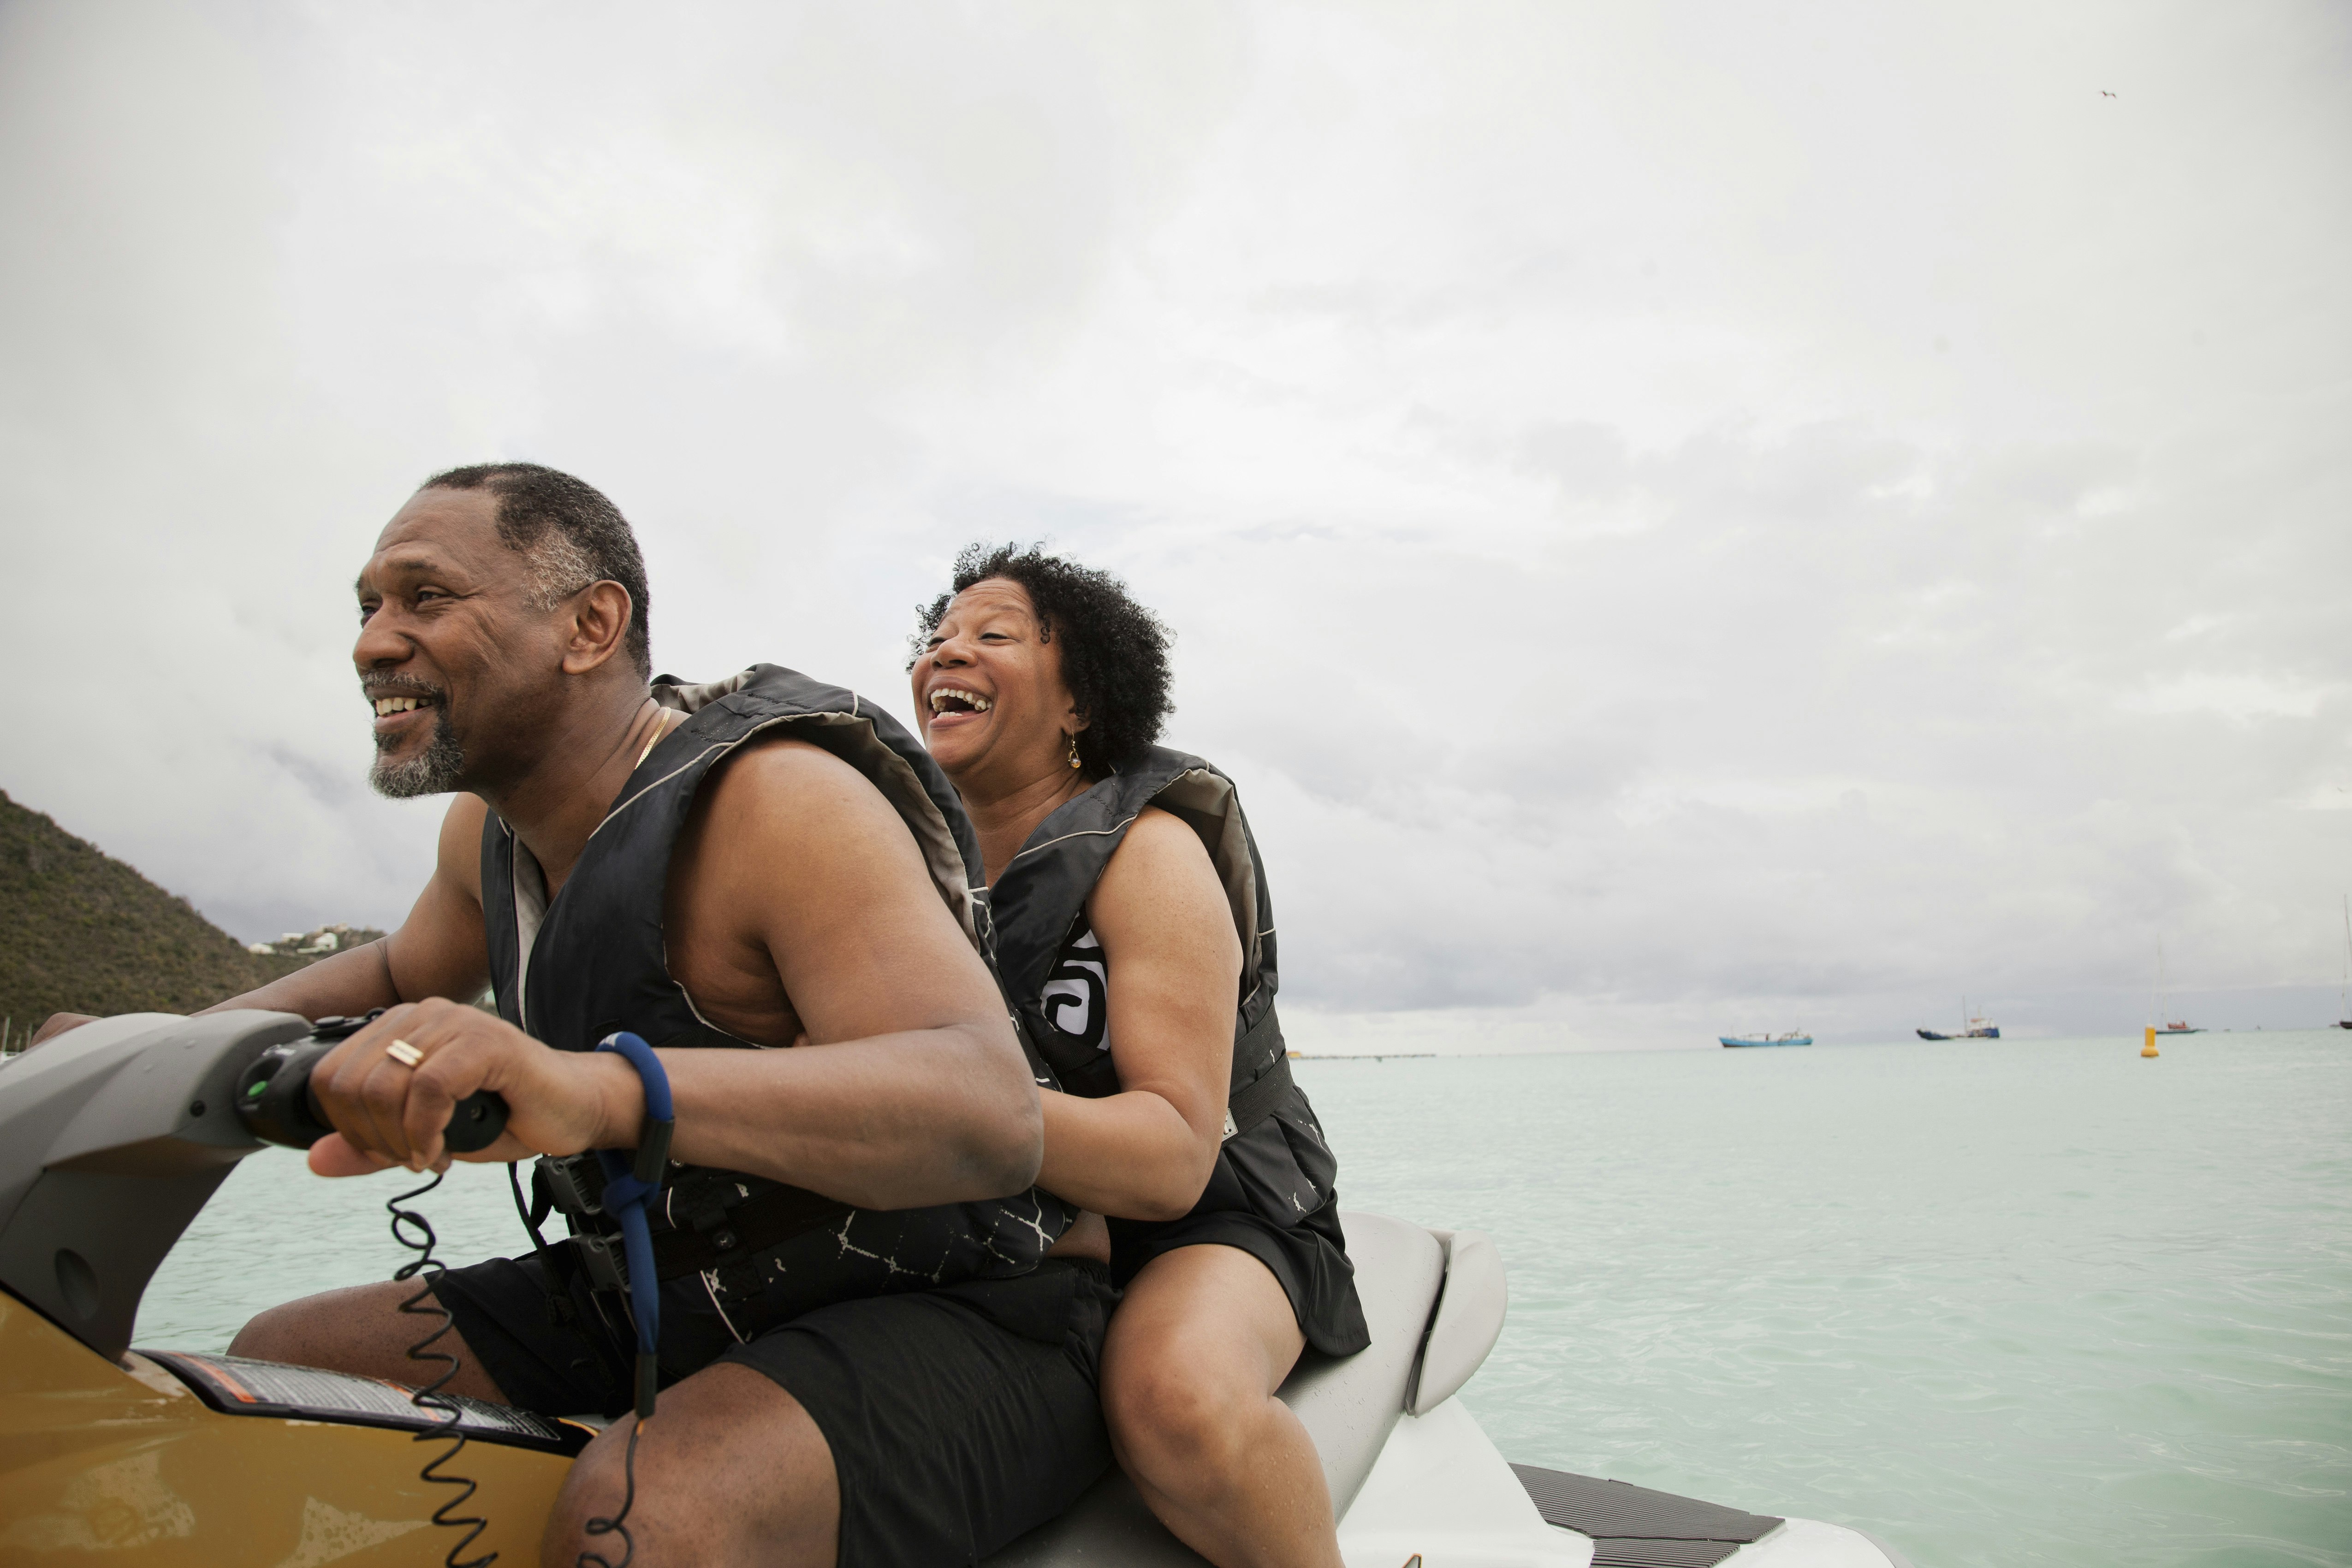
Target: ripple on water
x,y
274,1232
2011,1303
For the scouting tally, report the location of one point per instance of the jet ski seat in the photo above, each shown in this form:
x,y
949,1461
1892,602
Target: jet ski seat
x,y
1348,1404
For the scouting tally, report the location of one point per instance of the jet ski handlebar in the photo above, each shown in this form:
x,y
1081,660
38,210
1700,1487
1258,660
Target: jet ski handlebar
x,y
275,1102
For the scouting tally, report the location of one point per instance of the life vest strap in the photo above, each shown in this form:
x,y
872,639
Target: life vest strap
x,y
715,1233
1255,1101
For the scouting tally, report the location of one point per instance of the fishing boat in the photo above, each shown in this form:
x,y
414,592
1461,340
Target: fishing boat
x,y
113,1137
2167,1026
1793,1037
1972,1027
2344,1002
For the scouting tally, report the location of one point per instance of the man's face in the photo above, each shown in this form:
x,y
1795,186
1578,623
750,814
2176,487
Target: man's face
x,y
452,655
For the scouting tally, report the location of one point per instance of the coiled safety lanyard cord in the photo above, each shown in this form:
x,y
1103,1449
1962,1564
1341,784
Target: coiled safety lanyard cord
x,y
630,1180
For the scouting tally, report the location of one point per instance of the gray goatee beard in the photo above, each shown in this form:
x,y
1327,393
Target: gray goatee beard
x,y
436,770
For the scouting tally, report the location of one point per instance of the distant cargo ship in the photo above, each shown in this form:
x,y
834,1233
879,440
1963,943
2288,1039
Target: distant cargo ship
x,y
1972,1027
2345,1006
1791,1038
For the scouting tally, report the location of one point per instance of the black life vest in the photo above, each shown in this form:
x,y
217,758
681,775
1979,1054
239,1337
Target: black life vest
x,y
592,962
1272,1191
1042,893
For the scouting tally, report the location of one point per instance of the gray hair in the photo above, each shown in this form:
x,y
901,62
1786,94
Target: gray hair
x,y
570,535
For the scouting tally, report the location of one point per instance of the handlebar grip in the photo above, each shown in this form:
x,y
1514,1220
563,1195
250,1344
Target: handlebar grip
x,y
274,1102
273,1095
478,1122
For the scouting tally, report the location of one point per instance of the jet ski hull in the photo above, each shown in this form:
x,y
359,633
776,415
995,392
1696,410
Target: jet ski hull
x,y
126,1462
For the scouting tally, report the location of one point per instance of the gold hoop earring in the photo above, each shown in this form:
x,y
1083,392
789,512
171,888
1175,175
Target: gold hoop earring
x,y
1073,752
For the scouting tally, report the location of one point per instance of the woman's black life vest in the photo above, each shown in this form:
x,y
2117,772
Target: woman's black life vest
x,y
1272,1192
1039,902
1041,897
592,962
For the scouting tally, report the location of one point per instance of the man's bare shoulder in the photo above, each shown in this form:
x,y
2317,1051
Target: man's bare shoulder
x,y
800,905
785,787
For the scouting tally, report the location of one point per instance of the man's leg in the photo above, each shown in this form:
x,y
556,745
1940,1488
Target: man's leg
x,y
955,1419
731,1472
1205,1337
363,1330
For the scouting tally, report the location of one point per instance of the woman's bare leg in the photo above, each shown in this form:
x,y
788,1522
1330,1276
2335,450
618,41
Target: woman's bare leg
x,y
1205,1337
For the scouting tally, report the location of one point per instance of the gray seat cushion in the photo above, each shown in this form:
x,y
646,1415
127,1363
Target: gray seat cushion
x,y
1346,1404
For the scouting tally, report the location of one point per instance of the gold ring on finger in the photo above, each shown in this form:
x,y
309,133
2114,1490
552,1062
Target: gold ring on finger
x,y
403,1053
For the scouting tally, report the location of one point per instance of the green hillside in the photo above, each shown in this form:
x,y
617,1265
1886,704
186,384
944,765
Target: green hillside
x,y
82,932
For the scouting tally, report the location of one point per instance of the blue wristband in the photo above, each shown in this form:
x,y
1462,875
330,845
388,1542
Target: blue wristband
x,y
651,1157
629,1181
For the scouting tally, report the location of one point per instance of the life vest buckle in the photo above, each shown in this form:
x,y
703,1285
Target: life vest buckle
x,y
602,1259
576,1185
706,1211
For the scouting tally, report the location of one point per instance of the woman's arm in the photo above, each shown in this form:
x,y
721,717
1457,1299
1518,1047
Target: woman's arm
x,y
1174,963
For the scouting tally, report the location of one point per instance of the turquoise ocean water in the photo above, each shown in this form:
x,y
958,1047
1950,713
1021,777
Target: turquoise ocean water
x,y
2002,1303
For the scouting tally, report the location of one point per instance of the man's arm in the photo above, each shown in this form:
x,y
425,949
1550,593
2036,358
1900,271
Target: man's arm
x,y
911,1090
437,952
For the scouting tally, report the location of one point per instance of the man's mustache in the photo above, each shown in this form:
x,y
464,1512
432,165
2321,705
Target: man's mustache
x,y
394,684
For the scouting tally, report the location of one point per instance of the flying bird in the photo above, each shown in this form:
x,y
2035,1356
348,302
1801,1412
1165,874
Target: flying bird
x,y
2104,93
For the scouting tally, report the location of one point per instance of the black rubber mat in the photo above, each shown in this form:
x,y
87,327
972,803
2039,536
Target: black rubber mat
x,y
1634,1527
1617,1552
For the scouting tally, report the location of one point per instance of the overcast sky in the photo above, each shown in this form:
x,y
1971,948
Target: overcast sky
x,y
1680,519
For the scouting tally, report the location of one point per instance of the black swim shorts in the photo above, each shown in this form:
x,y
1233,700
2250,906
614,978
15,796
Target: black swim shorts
x,y
959,1417
1269,1195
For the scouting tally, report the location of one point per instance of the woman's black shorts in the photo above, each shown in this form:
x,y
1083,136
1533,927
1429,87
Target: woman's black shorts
x,y
959,1417
1270,1194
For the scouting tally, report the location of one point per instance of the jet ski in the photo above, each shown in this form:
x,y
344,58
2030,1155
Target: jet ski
x,y
113,1137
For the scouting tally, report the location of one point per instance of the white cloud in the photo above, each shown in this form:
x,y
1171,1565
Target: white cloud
x,y
1669,511
2240,697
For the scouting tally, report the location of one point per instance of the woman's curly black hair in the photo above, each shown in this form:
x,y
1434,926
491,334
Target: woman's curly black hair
x,y
1114,651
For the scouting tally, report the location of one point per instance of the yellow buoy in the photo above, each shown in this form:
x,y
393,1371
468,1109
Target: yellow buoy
x,y
2147,1048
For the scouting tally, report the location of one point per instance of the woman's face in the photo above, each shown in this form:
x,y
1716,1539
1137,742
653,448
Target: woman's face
x,y
989,692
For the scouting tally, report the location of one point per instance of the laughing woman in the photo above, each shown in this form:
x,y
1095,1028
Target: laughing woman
x,y
1137,941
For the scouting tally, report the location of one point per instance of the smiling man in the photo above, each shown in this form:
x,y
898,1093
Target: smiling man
x,y
867,1356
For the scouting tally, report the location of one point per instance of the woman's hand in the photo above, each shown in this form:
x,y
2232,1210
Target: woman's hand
x,y
387,1113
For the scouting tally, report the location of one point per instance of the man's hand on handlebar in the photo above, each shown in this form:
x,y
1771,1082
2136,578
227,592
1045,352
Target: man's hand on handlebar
x,y
387,1112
